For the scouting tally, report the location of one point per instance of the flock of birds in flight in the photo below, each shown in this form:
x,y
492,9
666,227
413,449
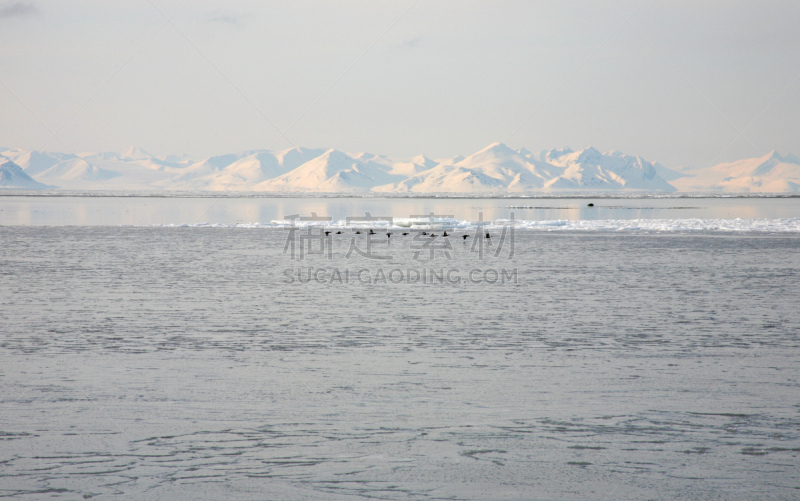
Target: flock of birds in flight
x,y
425,233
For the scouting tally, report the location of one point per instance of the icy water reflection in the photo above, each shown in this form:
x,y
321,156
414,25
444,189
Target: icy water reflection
x,y
170,363
164,210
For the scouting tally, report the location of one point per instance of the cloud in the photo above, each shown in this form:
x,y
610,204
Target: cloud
x,y
17,9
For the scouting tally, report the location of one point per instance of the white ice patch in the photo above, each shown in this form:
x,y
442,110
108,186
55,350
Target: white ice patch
x,y
780,225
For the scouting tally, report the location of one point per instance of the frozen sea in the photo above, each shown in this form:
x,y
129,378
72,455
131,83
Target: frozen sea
x,y
180,348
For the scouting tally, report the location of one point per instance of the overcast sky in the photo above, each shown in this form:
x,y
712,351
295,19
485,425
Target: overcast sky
x,y
687,83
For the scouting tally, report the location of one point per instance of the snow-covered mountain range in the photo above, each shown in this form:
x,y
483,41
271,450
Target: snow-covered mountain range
x,y
494,169
771,173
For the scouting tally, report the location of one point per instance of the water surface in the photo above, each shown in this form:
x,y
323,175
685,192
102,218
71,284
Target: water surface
x,y
170,363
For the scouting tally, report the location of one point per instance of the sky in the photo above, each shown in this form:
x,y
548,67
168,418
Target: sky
x,y
686,83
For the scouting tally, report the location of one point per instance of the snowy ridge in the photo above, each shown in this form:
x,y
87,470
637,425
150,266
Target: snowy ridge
x,y
494,170
771,173
13,177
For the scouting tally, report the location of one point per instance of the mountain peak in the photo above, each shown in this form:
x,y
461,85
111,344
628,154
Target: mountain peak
x,y
588,155
334,153
555,153
424,161
497,148
13,177
135,153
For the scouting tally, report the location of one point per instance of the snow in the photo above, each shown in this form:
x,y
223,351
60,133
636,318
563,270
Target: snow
x,y
247,171
135,153
771,173
13,177
591,169
35,162
199,175
74,172
295,157
495,169
333,171
668,174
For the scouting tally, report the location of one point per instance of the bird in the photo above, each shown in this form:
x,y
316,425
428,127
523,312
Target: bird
x,y
371,232
433,234
388,234
445,234
338,232
465,237
358,233
327,233
487,235
404,234
424,232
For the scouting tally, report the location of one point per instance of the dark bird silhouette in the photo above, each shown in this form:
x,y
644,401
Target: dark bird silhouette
x,y
487,235
327,233
404,234
388,235
371,232
465,237
358,233
424,232
433,234
590,205
338,232
445,234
